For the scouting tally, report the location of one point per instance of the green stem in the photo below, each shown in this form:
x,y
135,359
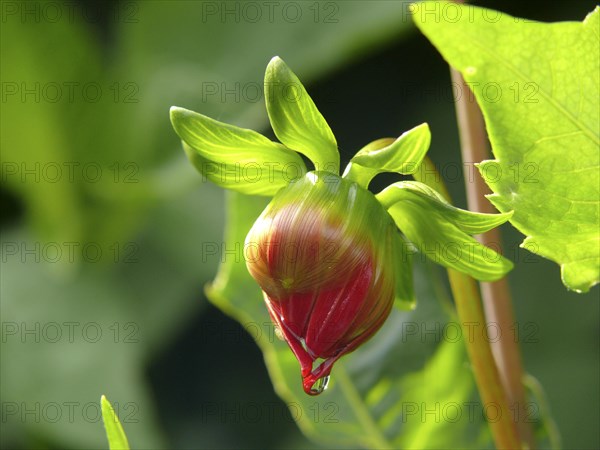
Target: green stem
x,y
470,312
494,398
497,302
375,437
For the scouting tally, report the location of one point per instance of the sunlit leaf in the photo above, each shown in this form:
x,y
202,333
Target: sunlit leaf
x,y
538,87
236,158
114,430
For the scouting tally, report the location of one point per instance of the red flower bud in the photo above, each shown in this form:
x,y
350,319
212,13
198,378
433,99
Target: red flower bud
x,y
322,253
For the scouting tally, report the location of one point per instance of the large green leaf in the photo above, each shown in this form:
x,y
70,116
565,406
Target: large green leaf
x,y
538,87
377,395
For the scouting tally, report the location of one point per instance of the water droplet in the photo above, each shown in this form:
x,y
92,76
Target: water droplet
x,y
320,385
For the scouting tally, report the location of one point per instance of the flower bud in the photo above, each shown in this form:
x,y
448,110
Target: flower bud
x,y
322,253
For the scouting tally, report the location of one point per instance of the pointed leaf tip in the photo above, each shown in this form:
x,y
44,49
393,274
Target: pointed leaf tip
x,y
117,440
275,60
176,113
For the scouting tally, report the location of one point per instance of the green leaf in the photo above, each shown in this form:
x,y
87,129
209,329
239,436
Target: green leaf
x,y
114,430
445,243
296,120
404,155
546,431
366,403
468,221
541,106
235,158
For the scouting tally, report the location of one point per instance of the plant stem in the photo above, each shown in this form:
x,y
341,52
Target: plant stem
x,y
495,400
496,296
470,312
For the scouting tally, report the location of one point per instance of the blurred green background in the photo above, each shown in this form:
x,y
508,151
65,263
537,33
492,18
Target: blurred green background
x,y
109,235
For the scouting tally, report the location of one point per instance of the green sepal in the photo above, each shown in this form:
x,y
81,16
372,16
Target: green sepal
x,y
295,119
403,155
445,243
236,158
114,430
362,175
404,290
419,193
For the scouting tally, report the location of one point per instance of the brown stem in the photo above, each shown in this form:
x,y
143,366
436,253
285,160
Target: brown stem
x,y
496,296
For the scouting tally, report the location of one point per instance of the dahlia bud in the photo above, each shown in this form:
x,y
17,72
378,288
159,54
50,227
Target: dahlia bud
x,y
322,253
